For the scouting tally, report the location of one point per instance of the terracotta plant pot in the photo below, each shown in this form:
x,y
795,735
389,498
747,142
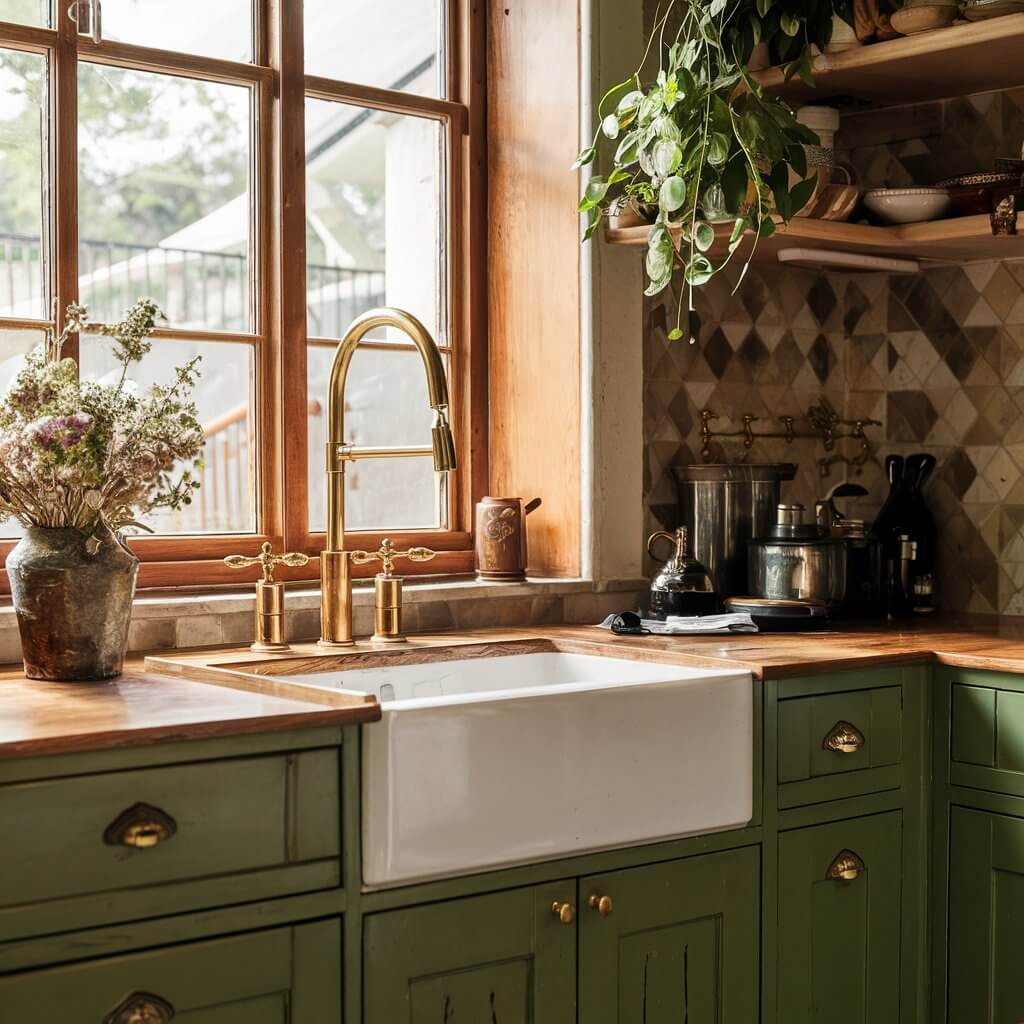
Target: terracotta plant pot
x,y
73,598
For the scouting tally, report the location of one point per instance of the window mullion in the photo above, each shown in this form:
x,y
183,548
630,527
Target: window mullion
x,y
64,172
288,271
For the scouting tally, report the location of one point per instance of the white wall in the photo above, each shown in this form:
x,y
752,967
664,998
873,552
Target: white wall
x,y
612,320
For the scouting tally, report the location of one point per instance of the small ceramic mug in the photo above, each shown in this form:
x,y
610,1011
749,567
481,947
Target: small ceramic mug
x,y
501,538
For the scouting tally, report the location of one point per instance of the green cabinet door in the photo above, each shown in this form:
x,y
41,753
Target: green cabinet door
x,y
503,958
986,918
278,976
839,922
674,943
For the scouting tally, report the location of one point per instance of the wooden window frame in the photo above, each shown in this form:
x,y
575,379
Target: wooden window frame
x,y
277,269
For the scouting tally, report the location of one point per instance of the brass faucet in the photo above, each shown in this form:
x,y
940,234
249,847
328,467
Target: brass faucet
x,y
335,561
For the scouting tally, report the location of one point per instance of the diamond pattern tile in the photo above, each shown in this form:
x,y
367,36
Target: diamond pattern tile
x,y
937,356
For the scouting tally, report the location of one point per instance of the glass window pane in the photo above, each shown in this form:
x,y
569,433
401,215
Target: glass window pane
x,y
26,12
224,396
385,404
24,188
222,29
13,347
391,44
375,216
164,196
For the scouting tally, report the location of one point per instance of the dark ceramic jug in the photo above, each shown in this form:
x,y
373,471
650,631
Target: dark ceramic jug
x,y
73,596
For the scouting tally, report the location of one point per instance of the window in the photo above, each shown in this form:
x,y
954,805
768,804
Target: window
x,y
266,173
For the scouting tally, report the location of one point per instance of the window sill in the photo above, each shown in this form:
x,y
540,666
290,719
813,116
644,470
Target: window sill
x,y
166,622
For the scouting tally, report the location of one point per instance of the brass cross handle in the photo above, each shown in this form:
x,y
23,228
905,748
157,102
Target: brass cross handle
x,y
386,554
268,561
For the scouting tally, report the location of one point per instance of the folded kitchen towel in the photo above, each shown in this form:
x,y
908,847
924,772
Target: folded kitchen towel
x,y
695,625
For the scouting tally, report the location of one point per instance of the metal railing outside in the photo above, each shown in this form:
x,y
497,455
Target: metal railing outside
x,y
202,289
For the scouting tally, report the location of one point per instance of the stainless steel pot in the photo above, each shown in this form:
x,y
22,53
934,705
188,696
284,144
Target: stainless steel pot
x,y
799,569
724,508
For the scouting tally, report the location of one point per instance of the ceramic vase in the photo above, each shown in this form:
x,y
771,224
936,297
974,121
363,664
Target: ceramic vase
x,y
72,594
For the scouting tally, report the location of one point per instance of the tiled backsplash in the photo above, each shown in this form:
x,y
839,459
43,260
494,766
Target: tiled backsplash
x,y
162,623
938,358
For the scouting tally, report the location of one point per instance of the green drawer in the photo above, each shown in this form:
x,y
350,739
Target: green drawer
x,y
987,743
68,837
280,976
837,745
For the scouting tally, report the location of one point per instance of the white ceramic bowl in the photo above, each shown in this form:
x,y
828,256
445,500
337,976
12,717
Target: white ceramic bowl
x,y
908,205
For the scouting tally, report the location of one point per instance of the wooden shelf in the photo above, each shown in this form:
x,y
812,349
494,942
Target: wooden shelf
x,y
945,62
958,240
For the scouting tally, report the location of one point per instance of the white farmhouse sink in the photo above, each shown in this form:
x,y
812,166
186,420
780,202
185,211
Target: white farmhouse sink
x,y
487,762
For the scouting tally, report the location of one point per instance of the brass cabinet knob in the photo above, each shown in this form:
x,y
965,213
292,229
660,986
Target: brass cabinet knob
x,y
845,867
602,904
563,911
140,827
843,738
141,1008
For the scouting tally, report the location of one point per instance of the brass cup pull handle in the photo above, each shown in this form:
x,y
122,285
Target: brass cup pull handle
x,y
843,738
845,867
141,1008
140,827
602,904
563,911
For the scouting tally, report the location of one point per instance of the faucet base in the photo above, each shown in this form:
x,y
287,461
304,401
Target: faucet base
x,y
335,643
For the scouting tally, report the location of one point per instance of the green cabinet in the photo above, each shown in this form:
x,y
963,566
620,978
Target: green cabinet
x,y
278,976
670,942
986,918
675,942
839,922
508,957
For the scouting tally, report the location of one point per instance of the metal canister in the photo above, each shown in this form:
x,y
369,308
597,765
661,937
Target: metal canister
x,y
724,508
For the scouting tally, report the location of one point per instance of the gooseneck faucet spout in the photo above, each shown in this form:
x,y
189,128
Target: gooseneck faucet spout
x,y
335,564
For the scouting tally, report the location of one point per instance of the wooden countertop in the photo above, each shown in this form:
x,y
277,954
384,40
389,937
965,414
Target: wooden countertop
x,y
979,642
41,718
203,694
990,643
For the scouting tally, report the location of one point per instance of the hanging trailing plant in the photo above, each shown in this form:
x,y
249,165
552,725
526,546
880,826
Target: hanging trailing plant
x,y
705,144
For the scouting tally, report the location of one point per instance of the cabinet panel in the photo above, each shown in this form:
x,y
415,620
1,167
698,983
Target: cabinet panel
x,y
867,725
839,938
677,942
225,817
986,918
279,976
505,957
987,743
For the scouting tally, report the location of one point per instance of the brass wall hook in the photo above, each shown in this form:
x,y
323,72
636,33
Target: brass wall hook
x,y
270,608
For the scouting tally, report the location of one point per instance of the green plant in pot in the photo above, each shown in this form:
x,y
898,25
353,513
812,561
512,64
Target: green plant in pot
x,y
704,144
81,461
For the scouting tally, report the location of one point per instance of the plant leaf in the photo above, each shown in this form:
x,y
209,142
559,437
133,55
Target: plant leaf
x,y
718,149
801,193
704,235
672,194
586,157
667,157
790,23
734,182
597,189
610,127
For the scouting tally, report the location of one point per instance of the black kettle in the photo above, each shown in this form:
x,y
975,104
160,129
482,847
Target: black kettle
x,y
683,586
